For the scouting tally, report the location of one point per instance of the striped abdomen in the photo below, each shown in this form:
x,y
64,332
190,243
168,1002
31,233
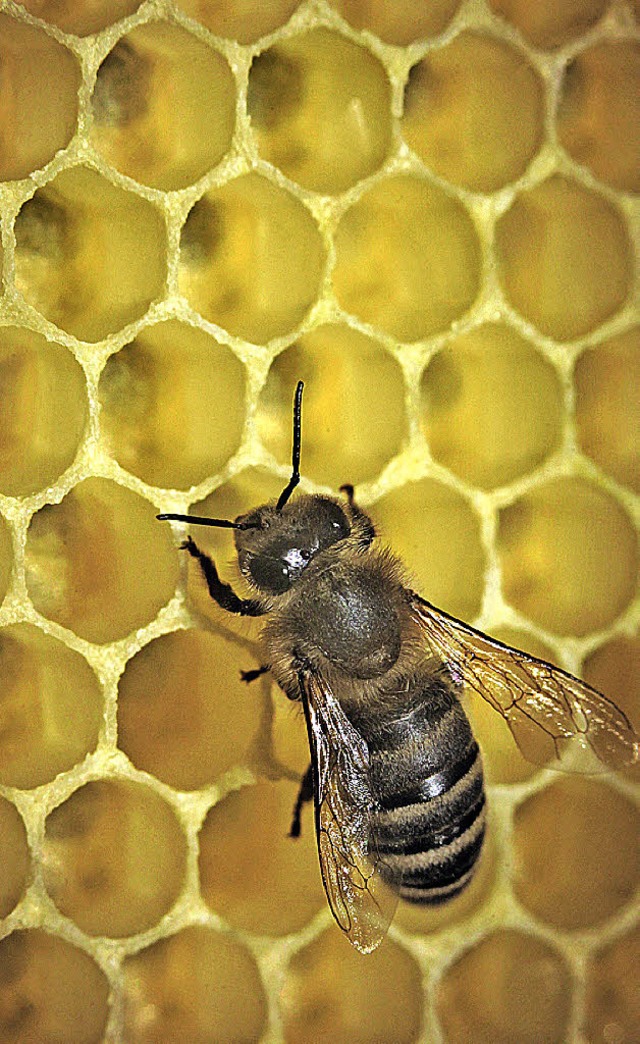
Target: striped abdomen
x,y
426,772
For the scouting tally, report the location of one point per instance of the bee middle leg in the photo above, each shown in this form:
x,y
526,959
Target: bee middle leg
x,y
305,794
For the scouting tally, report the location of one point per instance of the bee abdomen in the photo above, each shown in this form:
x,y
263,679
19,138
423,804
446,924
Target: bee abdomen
x,y
428,779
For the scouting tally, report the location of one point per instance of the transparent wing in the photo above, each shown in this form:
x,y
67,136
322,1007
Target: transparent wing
x,y
361,889
545,707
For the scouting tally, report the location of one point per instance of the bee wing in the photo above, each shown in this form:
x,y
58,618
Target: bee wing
x,y
544,706
361,889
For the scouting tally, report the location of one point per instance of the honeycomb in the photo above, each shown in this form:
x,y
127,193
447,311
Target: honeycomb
x,y
428,212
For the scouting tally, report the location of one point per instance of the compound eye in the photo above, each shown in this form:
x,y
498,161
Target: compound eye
x,y
270,574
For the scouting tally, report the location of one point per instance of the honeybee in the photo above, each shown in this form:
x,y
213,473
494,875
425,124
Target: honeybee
x,y
396,774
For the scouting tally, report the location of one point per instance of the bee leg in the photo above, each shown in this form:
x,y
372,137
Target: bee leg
x,y
257,672
305,794
223,594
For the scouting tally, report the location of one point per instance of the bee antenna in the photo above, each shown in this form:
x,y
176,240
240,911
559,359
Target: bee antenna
x,y
297,439
199,520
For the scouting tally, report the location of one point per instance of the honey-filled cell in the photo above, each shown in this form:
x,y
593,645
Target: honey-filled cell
x,y
14,859
569,556
612,1009
251,258
241,20
564,257
173,405
320,106
402,22
50,991
197,985
81,18
90,256
6,558
184,715
407,258
114,857
98,562
474,112
614,669
163,106
332,993
43,410
251,872
550,23
40,81
348,436
51,710
592,831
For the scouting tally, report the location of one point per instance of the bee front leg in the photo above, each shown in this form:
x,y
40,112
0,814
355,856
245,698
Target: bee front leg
x,y
305,794
223,594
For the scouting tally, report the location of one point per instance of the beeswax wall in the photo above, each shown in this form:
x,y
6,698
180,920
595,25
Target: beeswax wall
x,y
429,212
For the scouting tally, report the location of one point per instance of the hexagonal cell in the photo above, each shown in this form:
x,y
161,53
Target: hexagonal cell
x,y
241,20
114,858
99,562
6,558
606,380
407,258
436,533
43,410
251,872
15,859
492,406
551,23
197,985
592,831
184,715
401,22
164,106
348,436
90,257
50,990
569,556
331,994
251,259
80,18
474,112
613,999
40,98
614,669
321,109
565,257
509,987
599,112
51,709
173,405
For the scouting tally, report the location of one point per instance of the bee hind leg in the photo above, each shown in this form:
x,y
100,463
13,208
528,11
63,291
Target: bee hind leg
x,y
257,672
305,794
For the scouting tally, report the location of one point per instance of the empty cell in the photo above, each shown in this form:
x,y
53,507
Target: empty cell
x,y
564,257
402,22
114,858
550,23
474,112
592,832
90,257
348,436
43,410
614,669
241,20
197,985
330,993
184,715
163,106
436,533
39,88
320,106
407,258
606,379
15,860
83,19
251,872
51,710
173,405
612,998
510,987
251,259
569,556
492,406
599,112
98,562
50,991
